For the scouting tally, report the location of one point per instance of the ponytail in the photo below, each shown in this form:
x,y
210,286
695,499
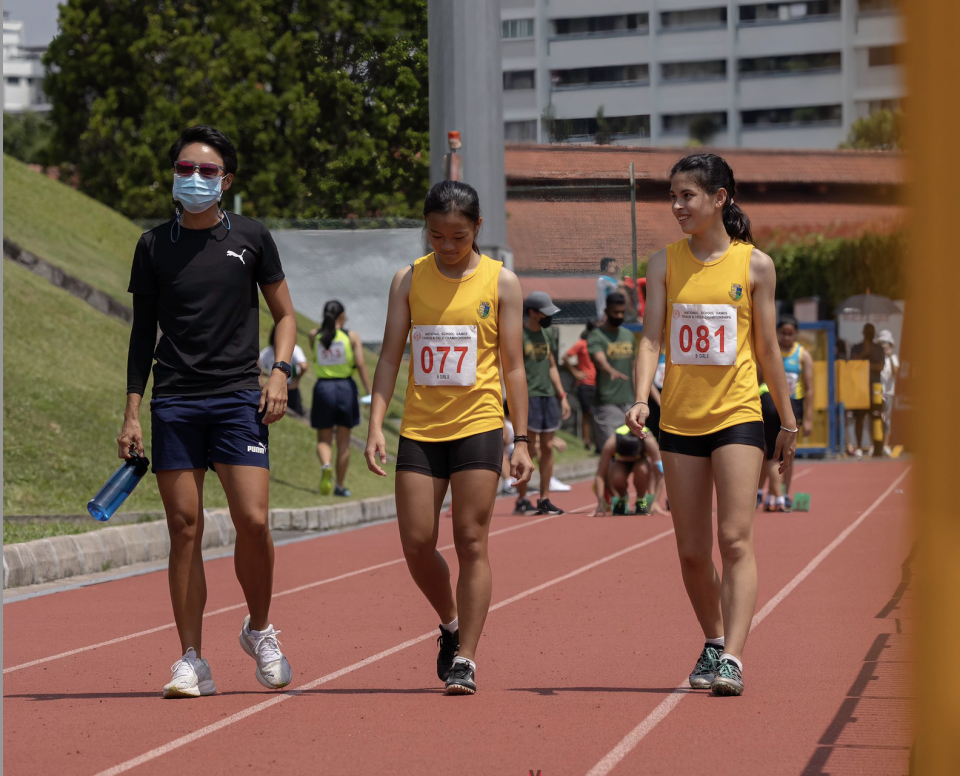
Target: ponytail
x,y
712,173
328,329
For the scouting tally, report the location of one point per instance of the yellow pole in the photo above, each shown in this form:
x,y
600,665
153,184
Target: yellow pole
x,y
933,276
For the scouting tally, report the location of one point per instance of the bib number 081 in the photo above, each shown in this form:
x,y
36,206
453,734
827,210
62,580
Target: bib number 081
x,y
702,339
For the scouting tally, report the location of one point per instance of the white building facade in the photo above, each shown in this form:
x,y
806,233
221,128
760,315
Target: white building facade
x,y
733,73
22,71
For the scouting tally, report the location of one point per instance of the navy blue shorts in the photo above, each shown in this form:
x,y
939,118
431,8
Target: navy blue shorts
x,y
193,432
336,402
544,414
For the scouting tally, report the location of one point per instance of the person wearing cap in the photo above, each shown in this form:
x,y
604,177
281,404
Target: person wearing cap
x,y
888,381
547,407
613,350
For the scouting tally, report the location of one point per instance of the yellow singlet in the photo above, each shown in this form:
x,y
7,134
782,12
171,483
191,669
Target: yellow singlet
x,y
453,389
711,379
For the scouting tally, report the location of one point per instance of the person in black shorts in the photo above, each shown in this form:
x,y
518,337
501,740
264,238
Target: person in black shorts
x,y
196,276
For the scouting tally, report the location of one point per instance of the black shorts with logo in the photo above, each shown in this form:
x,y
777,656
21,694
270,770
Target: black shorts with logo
x,y
441,459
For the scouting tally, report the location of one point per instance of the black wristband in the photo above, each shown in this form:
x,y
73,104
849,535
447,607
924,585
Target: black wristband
x,y
521,438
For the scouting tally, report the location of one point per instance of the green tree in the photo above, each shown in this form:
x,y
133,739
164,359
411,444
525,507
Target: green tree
x,y
702,129
881,130
604,134
326,100
26,136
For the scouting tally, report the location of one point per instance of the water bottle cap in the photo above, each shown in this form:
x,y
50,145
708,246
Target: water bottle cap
x,y
140,463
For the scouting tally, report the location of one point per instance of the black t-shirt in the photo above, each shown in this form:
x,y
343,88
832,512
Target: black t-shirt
x,y
204,288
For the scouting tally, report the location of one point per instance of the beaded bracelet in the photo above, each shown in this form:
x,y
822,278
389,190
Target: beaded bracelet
x,y
521,438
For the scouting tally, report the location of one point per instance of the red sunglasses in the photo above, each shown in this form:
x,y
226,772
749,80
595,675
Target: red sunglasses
x,y
206,169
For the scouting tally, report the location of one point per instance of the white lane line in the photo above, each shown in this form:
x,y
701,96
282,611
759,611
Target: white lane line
x,y
635,736
235,607
277,699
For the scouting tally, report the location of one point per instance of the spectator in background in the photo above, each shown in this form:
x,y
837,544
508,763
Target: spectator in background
x,y
638,293
607,283
298,364
613,350
888,379
868,350
585,374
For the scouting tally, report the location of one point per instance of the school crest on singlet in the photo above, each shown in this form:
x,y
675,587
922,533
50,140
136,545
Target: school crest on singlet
x,y
484,309
736,291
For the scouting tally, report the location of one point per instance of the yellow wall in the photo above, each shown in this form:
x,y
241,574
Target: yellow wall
x,y
933,272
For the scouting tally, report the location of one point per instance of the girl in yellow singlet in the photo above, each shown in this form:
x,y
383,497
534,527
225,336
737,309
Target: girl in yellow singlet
x,y
711,296
462,314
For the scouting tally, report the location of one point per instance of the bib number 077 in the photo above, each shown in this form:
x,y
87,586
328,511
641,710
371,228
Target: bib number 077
x,y
427,358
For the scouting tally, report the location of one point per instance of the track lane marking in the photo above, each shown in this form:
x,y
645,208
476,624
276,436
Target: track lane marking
x,y
277,699
630,741
291,591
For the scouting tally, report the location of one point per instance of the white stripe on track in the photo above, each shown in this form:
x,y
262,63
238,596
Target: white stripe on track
x,y
235,607
629,742
277,699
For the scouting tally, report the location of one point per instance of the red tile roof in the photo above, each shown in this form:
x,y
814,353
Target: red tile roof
x,y
572,237
525,163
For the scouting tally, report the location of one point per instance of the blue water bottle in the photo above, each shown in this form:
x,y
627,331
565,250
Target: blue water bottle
x,y
118,487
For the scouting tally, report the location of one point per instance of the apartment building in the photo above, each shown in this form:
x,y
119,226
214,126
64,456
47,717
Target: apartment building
x,y
730,74
22,70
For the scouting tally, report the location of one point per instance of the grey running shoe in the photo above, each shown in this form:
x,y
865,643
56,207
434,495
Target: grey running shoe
x,y
461,680
728,679
703,673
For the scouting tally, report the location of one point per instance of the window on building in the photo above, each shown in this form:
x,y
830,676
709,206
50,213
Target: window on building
x,y
756,67
12,81
519,79
634,126
883,56
792,117
601,76
700,125
878,6
520,131
788,11
875,105
709,70
704,18
516,28
603,25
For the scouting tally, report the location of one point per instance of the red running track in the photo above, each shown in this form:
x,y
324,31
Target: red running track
x,y
580,669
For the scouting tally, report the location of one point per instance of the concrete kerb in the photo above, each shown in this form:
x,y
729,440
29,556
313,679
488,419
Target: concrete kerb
x,y
46,560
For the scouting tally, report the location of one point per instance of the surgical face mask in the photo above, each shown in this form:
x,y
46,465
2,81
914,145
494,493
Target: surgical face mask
x,y
546,321
195,192
615,320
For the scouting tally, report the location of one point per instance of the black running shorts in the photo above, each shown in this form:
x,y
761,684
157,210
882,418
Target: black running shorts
x,y
441,459
702,446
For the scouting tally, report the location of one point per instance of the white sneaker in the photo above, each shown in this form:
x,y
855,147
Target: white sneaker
x,y
887,452
273,669
556,485
191,678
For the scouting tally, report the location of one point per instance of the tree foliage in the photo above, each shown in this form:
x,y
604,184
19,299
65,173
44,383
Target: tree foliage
x,y
26,136
326,100
882,130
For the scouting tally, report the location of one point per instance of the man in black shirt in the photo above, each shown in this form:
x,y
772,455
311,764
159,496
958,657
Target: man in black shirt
x,y
197,276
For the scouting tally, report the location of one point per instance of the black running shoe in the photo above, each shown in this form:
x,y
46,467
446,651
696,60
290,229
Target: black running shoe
x,y
728,679
448,643
706,669
461,680
544,507
523,506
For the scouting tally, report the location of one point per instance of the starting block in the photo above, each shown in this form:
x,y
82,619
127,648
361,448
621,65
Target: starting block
x,y
801,502
647,502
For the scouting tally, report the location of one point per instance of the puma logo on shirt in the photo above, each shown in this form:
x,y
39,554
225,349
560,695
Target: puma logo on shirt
x,y
238,255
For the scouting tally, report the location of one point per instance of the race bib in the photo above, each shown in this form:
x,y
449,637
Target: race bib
x,y
704,334
445,355
659,374
792,379
335,355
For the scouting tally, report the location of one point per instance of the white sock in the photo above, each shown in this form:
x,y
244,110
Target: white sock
x,y
781,501
715,642
451,627
771,500
469,662
732,659
760,492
